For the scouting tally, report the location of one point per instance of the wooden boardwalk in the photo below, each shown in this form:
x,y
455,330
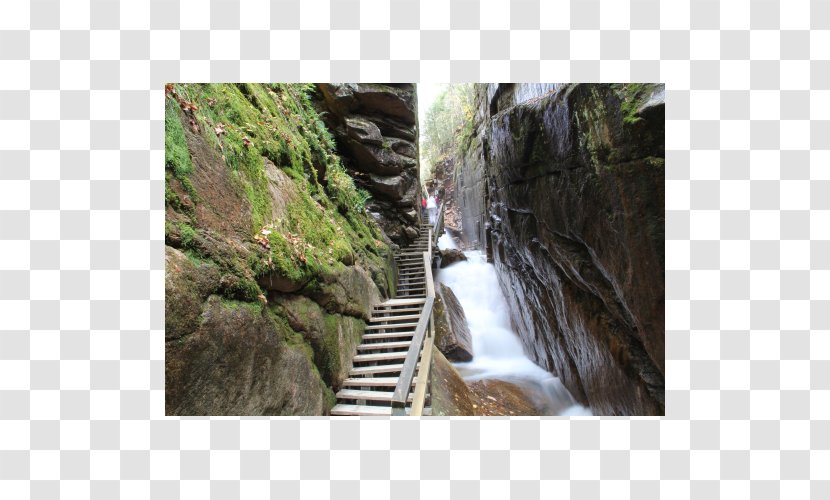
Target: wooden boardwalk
x,y
375,386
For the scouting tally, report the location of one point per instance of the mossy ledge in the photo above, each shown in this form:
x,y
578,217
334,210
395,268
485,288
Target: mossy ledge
x,y
256,192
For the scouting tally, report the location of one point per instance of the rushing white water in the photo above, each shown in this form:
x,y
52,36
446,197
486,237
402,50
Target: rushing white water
x,y
445,241
497,350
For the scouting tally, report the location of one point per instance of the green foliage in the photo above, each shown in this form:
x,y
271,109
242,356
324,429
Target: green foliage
x,y
633,95
448,123
241,288
170,196
283,258
249,123
324,240
188,235
176,154
233,305
340,187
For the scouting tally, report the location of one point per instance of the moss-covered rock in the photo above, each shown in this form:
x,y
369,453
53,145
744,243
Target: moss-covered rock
x,y
345,290
333,337
240,362
259,210
188,282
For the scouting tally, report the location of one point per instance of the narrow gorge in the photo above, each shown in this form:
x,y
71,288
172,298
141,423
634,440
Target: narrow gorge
x,y
307,272
562,187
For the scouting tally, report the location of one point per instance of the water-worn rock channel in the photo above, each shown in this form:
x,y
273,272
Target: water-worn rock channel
x,y
498,354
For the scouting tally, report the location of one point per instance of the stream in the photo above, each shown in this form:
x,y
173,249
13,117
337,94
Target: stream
x,y
497,350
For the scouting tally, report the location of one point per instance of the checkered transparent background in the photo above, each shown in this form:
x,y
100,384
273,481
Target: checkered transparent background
x,y
747,228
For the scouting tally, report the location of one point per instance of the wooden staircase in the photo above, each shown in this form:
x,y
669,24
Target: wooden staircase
x,y
377,365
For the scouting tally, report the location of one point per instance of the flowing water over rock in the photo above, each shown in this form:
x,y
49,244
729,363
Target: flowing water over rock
x,y
498,353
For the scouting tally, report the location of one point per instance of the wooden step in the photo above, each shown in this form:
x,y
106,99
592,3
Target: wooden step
x,y
367,395
393,311
388,335
373,382
368,410
398,318
365,370
401,302
394,326
378,315
395,307
358,410
384,345
379,356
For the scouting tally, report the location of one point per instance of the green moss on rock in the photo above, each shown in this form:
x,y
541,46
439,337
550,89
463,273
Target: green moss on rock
x,y
280,218
176,154
188,235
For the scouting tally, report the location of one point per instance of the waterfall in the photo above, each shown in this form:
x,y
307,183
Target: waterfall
x,y
497,350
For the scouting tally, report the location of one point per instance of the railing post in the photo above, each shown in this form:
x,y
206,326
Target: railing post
x,y
398,410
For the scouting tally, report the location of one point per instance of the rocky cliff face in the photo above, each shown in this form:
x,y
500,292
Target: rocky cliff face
x,y
376,129
564,187
272,262
471,190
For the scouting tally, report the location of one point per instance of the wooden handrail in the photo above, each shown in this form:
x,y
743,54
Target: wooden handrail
x,y
422,339
401,393
439,224
421,383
